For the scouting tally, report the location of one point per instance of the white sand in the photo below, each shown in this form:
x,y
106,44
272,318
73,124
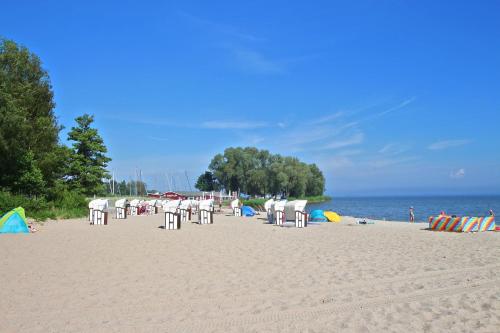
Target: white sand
x,y
241,275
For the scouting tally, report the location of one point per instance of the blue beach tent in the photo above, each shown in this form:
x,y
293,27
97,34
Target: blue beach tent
x,y
247,211
318,215
14,222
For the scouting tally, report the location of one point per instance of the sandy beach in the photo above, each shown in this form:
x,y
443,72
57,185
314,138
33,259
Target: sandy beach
x,y
243,275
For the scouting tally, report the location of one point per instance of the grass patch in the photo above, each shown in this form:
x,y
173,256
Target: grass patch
x,y
313,199
259,203
254,203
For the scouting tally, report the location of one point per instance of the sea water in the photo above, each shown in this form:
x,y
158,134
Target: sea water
x,y
397,208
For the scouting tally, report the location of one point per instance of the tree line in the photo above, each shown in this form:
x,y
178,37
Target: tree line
x,y
258,172
124,188
34,163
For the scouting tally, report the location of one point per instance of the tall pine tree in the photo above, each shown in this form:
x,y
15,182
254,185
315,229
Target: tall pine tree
x,y
88,161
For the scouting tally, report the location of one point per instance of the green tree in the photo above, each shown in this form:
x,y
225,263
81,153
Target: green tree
x,y
28,127
88,160
206,182
139,187
315,181
123,188
31,180
257,172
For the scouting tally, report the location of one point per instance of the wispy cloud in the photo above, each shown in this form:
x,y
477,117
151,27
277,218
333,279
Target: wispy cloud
x,y
338,162
221,28
233,124
397,107
389,110
147,121
393,149
343,114
440,145
231,39
384,162
256,62
349,152
209,124
306,136
158,138
327,118
353,140
457,174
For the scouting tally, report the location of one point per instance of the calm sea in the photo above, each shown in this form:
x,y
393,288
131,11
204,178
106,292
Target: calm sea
x,y
397,208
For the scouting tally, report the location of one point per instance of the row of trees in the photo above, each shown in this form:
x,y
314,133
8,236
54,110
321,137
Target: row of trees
x,y
134,187
258,172
34,162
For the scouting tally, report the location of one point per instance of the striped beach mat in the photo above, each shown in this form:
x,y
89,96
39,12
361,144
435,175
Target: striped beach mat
x,y
454,224
470,224
486,223
438,222
462,224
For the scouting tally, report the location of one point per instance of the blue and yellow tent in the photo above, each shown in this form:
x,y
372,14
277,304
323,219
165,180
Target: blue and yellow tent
x,y
14,222
317,215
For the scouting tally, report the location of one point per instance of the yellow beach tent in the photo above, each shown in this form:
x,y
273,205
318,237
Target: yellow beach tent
x,y
332,217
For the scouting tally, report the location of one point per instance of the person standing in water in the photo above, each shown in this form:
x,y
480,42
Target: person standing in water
x,y
412,215
491,212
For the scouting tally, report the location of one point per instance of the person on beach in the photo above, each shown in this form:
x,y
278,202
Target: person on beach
x,y
31,227
412,215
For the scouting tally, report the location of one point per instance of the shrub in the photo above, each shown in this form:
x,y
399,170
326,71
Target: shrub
x,y
70,200
65,205
10,201
254,203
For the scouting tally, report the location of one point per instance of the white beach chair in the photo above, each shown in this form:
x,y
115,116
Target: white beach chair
x,y
235,205
172,221
295,211
268,206
279,212
206,212
97,213
121,208
185,210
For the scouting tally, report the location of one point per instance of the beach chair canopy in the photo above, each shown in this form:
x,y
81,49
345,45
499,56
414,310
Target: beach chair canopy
x,y
206,204
235,203
99,204
268,204
278,205
14,222
135,203
121,203
171,206
185,204
294,206
152,202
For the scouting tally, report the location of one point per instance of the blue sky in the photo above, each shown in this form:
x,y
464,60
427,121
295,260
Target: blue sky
x,y
387,97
